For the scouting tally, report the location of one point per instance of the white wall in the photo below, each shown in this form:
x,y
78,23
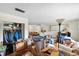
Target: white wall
x,y
1,31
48,28
74,27
38,28
34,28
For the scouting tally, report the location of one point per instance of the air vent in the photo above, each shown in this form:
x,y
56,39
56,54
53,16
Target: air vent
x,y
17,9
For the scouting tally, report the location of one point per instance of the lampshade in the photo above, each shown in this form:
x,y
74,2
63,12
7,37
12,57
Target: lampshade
x,y
59,20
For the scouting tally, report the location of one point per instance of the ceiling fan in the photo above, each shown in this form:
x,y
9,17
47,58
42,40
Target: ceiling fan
x,y
19,10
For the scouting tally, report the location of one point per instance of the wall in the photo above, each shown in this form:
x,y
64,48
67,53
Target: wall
x,y
1,31
38,28
34,28
74,27
55,28
48,28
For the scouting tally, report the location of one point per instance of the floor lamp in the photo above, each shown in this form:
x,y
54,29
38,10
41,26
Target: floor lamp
x,y
59,21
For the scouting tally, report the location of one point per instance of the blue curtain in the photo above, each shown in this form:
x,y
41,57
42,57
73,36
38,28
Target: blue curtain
x,y
18,35
10,36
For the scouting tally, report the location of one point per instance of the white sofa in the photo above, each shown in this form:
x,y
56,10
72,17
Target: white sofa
x,y
68,50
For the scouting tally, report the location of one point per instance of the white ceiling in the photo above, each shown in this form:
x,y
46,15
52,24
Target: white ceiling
x,y
43,13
